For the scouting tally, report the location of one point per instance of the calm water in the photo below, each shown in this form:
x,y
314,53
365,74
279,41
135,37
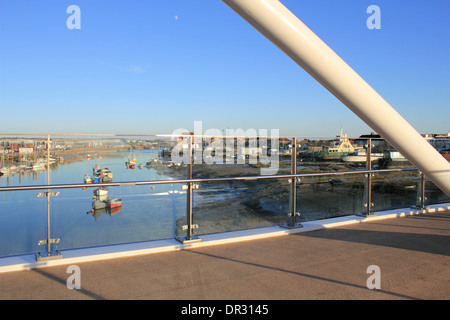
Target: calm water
x,y
146,213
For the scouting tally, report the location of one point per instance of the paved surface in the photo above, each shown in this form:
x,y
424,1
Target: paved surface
x,y
413,254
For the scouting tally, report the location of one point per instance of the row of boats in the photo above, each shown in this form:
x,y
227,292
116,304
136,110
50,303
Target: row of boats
x,y
101,201
131,164
39,165
342,149
99,175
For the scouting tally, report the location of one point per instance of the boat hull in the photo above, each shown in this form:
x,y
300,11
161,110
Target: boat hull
x,y
99,204
115,203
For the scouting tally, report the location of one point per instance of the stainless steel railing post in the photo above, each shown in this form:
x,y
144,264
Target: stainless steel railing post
x,y
50,255
190,237
292,216
368,183
421,198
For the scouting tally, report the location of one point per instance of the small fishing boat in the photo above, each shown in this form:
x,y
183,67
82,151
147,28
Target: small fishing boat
x,y
115,203
87,178
360,156
25,167
107,175
339,147
130,164
38,166
99,204
102,175
101,192
103,204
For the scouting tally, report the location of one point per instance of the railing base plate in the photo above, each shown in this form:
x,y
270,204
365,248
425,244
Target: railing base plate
x,y
291,226
365,215
187,240
47,257
419,207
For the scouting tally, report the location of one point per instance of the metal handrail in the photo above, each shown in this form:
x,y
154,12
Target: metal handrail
x,y
169,135
154,182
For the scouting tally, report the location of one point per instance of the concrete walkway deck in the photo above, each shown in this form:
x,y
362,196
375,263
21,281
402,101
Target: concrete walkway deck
x,y
413,254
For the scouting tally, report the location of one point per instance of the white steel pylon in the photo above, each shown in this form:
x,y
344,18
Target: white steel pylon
x,y
295,39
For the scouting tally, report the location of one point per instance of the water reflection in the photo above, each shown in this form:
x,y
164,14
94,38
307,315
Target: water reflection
x,y
97,213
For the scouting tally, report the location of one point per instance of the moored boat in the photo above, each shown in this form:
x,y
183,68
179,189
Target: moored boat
x,y
396,156
341,146
102,175
361,156
38,166
87,178
102,204
101,192
130,164
99,204
115,203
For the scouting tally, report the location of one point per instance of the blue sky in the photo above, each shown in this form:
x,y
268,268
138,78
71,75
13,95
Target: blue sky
x,y
147,67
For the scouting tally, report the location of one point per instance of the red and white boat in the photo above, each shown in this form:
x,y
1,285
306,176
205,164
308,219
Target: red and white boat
x,y
115,203
130,164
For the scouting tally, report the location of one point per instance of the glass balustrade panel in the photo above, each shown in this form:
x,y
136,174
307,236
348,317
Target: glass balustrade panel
x,y
328,196
23,221
394,190
434,195
98,216
224,206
